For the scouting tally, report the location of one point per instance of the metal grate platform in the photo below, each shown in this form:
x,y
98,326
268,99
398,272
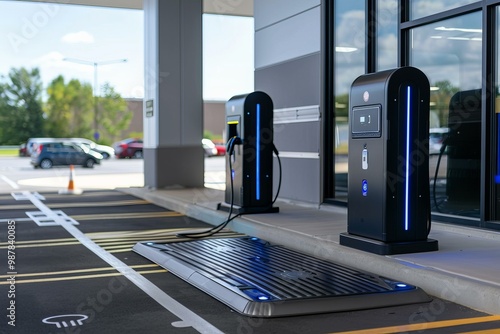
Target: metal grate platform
x,y
258,279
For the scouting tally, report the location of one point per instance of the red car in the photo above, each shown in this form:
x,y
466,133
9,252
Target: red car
x,y
221,149
128,148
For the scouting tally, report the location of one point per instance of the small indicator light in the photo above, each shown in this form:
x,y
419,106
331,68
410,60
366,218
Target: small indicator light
x,y
364,187
401,285
263,298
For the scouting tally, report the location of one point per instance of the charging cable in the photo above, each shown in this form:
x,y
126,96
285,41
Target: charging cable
x,y
230,151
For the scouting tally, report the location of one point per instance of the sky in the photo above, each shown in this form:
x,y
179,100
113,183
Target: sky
x,y
47,35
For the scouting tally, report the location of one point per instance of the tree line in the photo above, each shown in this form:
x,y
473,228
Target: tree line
x,y
63,109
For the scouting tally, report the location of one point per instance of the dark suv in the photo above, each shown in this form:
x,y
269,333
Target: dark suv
x,y
48,154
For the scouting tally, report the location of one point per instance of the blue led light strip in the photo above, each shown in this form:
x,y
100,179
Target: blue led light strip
x,y
407,176
497,176
257,154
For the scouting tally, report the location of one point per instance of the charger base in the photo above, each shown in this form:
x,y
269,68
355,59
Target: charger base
x,y
245,210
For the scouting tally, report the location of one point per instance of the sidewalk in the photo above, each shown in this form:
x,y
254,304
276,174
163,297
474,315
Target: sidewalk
x,y
465,270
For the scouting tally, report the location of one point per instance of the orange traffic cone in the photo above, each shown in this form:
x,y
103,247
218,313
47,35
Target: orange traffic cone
x,y
71,185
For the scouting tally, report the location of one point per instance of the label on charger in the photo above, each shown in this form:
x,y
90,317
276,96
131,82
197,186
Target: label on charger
x,y
364,187
364,159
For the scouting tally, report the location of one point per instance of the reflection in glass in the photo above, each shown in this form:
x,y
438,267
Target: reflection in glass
x,y
497,114
449,53
350,40
387,34
421,8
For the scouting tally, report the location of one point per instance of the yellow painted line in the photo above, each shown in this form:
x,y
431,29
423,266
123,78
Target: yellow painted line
x,y
69,278
88,194
152,238
24,242
18,207
75,205
78,271
425,325
120,250
121,239
94,204
148,234
95,236
115,234
68,243
127,215
486,331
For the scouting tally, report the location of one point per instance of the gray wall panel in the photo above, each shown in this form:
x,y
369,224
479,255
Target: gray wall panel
x,y
300,179
267,12
292,38
288,68
297,137
293,83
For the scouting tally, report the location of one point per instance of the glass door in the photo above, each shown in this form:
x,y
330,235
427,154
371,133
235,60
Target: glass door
x,y
449,52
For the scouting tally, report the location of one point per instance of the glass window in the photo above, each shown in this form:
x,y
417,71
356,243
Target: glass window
x,y
421,8
350,41
497,114
387,34
450,54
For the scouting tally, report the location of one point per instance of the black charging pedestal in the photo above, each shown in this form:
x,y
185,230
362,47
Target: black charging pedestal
x,y
249,156
388,180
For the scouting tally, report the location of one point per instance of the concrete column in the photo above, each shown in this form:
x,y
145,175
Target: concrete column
x,y
173,102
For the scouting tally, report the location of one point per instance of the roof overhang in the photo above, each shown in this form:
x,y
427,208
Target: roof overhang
x,y
222,7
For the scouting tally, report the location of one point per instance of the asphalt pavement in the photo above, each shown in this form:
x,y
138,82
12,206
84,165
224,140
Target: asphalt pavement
x,y
73,271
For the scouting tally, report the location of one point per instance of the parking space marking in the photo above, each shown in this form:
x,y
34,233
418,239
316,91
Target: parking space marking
x,y
123,242
425,325
71,278
18,207
129,215
11,183
99,204
78,271
140,281
24,219
62,275
486,331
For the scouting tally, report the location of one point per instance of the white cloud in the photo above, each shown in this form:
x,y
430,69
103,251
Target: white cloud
x,y
50,57
78,37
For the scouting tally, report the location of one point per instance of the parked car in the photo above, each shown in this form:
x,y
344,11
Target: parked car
x,y
209,147
22,150
128,148
436,139
56,153
221,149
106,151
32,144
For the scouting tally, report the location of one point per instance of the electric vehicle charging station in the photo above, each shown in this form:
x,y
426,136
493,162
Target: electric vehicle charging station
x,y
249,156
388,181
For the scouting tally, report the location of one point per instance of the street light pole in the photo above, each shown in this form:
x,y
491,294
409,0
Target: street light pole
x,y
95,90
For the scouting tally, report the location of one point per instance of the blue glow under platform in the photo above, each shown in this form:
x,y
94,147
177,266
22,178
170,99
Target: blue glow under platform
x,y
258,279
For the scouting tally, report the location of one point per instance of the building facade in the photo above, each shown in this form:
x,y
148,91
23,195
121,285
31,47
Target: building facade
x,y
307,54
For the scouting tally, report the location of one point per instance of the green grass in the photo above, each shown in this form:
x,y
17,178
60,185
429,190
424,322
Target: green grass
x,y
9,152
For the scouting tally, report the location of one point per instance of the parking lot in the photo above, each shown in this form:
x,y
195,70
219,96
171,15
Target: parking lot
x,y
73,269
17,173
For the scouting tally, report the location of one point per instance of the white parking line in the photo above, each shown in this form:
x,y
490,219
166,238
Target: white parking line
x,y
9,182
188,317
